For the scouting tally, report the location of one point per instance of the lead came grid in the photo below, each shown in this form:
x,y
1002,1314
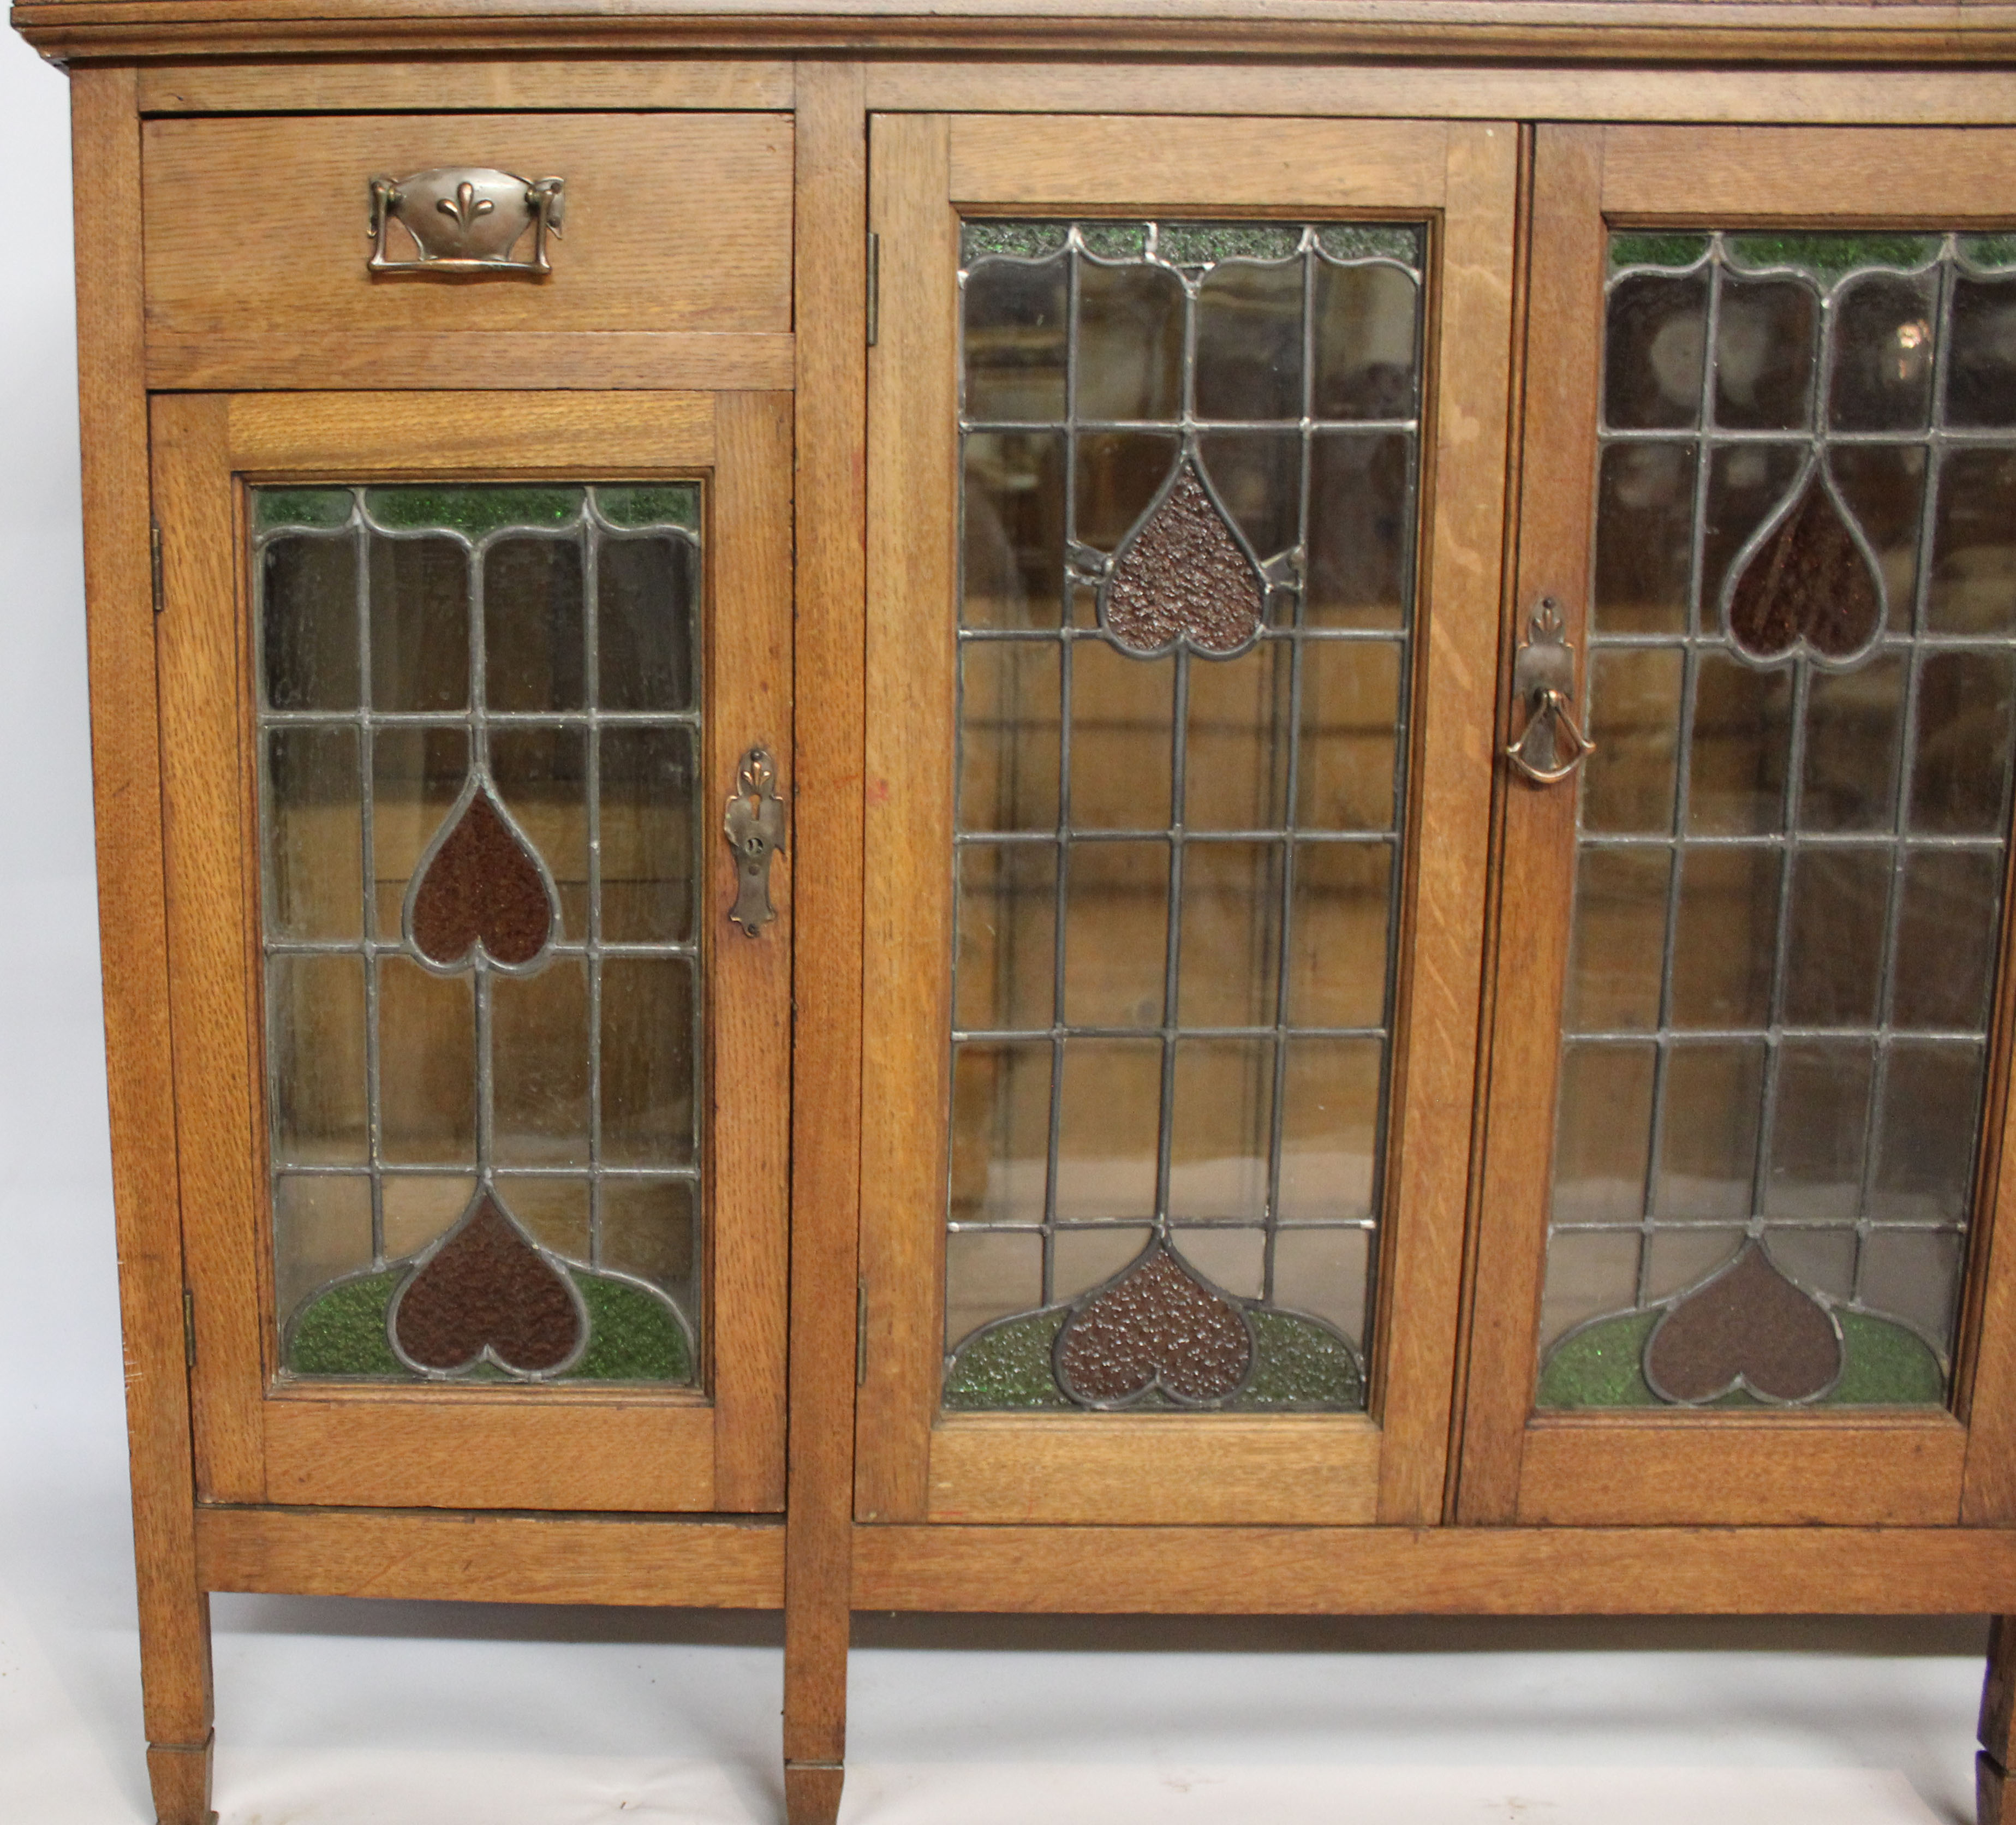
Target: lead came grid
x,y
1024,685
592,522
1867,913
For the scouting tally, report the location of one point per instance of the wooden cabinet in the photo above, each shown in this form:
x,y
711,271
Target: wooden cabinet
x,y
1373,705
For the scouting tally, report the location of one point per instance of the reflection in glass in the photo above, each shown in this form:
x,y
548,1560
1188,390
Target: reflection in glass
x,y
1792,836
1177,825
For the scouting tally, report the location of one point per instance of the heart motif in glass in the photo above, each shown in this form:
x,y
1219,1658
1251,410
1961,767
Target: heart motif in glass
x,y
1183,574
487,1288
1810,582
1156,1325
1748,1327
482,885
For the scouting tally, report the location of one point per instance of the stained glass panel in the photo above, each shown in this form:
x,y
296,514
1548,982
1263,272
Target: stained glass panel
x,y
481,845
1803,686
1190,454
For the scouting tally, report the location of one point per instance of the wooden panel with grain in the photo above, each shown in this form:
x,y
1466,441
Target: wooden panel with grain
x,y
1156,1469
491,1558
1457,620
369,435
475,84
830,508
1457,1572
1851,97
126,789
660,360
748,1023
449,1449
213,991
1022,161
913,577
1868,1470
256,227
1727,176
1535,865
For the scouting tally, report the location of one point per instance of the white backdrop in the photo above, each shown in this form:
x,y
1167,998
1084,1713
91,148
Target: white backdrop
x,y
489,1714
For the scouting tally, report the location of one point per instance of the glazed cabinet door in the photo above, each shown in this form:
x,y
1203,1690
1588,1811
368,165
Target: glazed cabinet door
x,y
1739,1254
481,1025
1185,483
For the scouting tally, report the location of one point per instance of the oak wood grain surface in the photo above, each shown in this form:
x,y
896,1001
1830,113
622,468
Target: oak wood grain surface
x,y
647,245
126,779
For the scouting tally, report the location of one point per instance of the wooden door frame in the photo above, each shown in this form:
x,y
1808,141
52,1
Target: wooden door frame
x,y
912,1463
1880,1468
259,1439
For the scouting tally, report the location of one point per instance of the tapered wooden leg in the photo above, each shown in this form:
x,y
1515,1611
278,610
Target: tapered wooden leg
x,y
811,1794
180,1775
1998,1703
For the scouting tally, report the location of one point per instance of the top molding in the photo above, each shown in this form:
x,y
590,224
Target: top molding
x,y
1641,31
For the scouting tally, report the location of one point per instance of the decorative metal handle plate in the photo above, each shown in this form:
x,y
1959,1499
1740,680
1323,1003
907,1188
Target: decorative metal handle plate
x,y
464,219
754,826
1551,745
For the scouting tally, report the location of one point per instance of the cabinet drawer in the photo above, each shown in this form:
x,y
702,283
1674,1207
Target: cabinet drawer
x,y
675,261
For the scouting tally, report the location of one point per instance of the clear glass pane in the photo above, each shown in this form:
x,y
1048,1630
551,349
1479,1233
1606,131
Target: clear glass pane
x,y
1008,754
1833,971
1351,712
1122,743
1014,341
1116,933
1740,746
649,1116
1339,941
539,1075
1819,1131
1853,719
1981,388
1883,354
1726,937
1634,711
1361,529
1327,1272
1657,330
1366,332
1329,1129
1222,1123
647,601
649,791
1604,1138
1235,777
1619,943
534,627
1644,538
1007,936
1110,1112
426,1065
309,623
1130,343
314,869
1011,532
314,1013
1001,1131
1708,1155
420,624
1973,545
1764,352
1231,934
1249,342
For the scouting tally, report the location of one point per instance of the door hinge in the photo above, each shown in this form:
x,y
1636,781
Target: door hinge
x,y
874,285
860,1334
189,1329
154,552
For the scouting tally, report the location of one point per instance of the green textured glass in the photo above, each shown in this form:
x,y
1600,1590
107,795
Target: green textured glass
x,y
1990,252
1827,256
675,504
634,1335
1299,1364
1205,243
1370,241
1025,240
472,512
1884,1364
1115,240
1645,249
299,506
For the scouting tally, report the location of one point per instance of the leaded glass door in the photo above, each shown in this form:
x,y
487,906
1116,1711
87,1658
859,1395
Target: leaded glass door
x,y
472,706
1178,785
1737,1261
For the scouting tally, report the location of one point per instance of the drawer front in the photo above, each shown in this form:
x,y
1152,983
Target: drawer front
x,y
258,228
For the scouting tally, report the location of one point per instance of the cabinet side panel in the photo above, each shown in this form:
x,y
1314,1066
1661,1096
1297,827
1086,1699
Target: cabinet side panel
x,y
126,766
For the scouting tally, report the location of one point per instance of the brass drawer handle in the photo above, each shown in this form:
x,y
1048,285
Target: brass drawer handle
x,y
1543,674
464,219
